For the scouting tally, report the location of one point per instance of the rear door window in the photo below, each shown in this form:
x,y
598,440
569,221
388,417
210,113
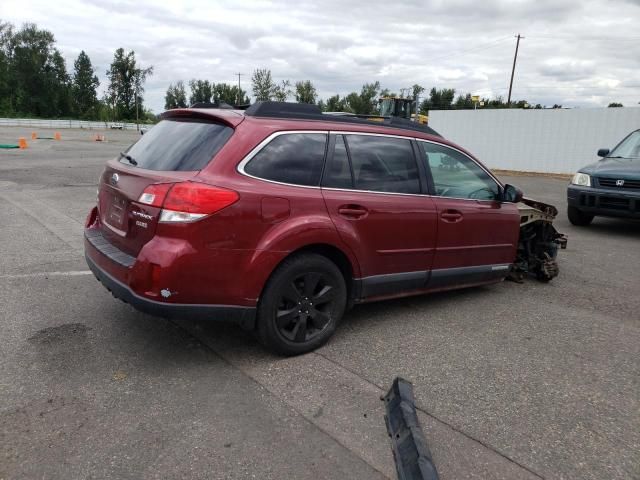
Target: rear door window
x,y
383,164
294,158
178,145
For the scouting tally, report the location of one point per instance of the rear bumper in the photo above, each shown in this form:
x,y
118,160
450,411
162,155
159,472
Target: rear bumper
x,y
603,202
244,316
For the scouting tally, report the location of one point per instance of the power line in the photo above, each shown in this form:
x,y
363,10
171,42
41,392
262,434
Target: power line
x,y
457,53
588,37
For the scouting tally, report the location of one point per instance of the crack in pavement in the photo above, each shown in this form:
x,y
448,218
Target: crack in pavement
x,y
438,419
71,273
296,410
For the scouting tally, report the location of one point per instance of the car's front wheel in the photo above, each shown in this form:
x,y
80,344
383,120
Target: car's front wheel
x,y
301,304
578,217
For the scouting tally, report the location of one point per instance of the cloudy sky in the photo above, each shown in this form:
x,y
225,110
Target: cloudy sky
x,y
579,53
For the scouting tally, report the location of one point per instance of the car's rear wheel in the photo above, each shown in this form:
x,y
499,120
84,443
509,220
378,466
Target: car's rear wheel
x,y
301,305
578,217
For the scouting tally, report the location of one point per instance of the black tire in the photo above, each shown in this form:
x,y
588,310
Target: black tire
x,y
309,295
578,217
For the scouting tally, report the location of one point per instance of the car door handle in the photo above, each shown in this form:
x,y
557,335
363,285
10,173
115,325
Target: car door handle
x,y
451,216
352,211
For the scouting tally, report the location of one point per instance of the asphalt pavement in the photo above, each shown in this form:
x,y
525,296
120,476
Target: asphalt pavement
x,y
512,380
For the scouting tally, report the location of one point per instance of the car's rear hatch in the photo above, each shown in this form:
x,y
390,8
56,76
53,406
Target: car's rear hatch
x,y
173,151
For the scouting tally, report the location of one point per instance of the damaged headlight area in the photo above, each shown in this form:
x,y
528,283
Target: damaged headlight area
x,y
538,243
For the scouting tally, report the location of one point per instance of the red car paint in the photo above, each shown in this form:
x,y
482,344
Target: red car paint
x,y
226,258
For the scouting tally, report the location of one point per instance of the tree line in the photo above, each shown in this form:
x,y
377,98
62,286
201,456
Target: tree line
x,y
34,81
364,102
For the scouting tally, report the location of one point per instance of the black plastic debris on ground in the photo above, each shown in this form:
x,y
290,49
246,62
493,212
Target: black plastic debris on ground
x,y
410,450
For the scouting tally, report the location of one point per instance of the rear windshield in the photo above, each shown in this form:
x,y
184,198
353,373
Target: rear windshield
x,y
178,145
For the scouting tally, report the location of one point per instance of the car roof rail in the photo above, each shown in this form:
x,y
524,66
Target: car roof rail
x,y
307,111
282,109
220,105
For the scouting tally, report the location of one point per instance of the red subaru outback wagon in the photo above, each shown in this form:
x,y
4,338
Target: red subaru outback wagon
x,y
280,217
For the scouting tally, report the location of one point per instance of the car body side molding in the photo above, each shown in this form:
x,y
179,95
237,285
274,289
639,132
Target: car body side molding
x,y
397,283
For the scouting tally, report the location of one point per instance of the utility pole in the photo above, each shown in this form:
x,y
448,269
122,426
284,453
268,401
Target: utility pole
x,y
239,75
513,69
137,119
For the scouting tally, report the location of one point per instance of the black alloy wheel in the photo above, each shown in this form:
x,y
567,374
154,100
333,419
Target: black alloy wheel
x,y
305,305
301,305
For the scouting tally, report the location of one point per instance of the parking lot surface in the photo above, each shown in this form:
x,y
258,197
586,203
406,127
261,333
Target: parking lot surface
x,y
512,380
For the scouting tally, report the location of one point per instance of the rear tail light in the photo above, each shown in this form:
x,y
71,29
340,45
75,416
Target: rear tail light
x,y
154,194
187,201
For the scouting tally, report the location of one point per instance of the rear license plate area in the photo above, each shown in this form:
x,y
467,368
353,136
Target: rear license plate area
x,y
117,213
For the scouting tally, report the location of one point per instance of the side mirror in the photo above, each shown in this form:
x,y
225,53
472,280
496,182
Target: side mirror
x,y
511,194
603,152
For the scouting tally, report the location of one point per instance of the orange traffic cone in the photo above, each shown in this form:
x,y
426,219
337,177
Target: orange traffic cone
x,y
57,136
22,142
34,135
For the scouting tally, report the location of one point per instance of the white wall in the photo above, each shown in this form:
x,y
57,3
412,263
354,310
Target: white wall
x,y
550,140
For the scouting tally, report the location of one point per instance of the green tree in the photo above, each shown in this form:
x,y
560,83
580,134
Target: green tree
x,y
84,85
464,102
306,92
438,100
364,103
176,97
498,102
126,84
6,96
262,84
615,105
336,104
201,91
416,91
282,92
60,85
229,94
38,81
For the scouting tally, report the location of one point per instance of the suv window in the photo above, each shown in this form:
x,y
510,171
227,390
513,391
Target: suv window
x,y
295,158
457,176
338,171
383,164
178,145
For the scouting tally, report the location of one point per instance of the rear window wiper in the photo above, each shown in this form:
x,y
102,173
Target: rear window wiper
x,y
129,158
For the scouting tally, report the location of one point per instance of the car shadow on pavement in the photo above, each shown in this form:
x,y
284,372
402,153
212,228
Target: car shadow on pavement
x,y
225,338
610,226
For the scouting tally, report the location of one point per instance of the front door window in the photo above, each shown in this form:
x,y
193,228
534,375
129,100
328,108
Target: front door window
x,y
457,176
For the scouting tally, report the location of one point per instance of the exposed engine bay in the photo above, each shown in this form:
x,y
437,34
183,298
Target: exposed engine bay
x,y
539,242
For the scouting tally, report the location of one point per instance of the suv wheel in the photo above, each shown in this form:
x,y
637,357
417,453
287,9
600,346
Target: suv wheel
x,y
301,305
578,217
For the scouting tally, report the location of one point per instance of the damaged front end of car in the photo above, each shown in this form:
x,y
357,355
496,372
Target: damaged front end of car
x,y
539,242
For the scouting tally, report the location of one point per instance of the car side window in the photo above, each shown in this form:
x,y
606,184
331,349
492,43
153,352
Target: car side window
x,y
457,176
383,164
337,173
295,158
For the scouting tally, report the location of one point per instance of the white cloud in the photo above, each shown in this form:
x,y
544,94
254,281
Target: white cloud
x,y
577,53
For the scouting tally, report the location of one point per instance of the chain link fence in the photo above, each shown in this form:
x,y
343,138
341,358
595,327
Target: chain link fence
x,y
57,124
